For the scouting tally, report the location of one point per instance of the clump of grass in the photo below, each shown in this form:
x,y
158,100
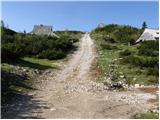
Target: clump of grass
x,y
146,116
42,62
30,62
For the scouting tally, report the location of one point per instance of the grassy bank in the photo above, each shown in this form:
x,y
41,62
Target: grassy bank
x,y
146,116
17,75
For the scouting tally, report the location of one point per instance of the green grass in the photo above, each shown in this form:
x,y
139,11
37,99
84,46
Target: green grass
x,y
33,63
6,67
147,116
41,62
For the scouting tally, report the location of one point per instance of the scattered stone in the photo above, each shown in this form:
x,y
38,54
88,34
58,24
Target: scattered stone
x,y
123,97
53,109
106,97
136,85
141,85
121,76
155,110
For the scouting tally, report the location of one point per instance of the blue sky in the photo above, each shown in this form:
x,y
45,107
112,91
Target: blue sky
x,y
78,15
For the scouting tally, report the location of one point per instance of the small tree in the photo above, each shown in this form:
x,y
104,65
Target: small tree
x,y
24,31
2,23
144,25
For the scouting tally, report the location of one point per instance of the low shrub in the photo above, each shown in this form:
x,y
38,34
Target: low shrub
x,y
141,61
118,33
125,53
109,39
153,71
52,54
12,51
149,48
19,45
108,46
153,80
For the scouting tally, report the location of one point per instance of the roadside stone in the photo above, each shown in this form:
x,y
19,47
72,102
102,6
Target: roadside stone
x,y
136,85
155,110
36,71
53,109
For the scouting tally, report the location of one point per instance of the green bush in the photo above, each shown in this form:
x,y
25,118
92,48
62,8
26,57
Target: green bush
x,y
118,33
125,53
52,54
141,61
108,46
65,43
16,45
153,80
109,40
108,28
12,51
149,48
153,71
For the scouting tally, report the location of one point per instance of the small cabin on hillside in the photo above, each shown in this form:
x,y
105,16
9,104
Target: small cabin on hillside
x,y
149,34
43,30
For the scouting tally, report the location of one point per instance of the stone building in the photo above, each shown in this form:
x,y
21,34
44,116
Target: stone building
x,y
43,30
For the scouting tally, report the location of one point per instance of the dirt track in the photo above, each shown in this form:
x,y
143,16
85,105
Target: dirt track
x,y
71,93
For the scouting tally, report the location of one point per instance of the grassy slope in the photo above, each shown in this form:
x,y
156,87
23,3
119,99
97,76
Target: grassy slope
x,y
133,74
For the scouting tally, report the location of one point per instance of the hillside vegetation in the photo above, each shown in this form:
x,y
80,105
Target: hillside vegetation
x,y
25,56
121,57
16,45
